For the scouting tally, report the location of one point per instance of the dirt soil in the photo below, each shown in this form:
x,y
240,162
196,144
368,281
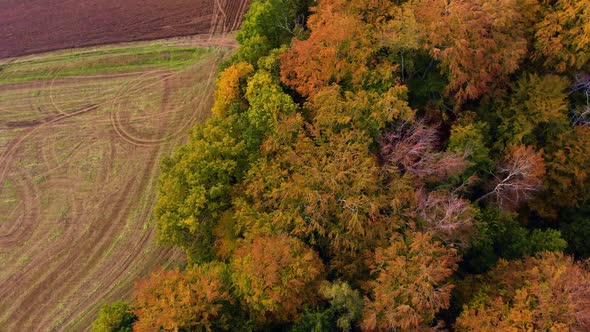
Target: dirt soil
x,y
35,26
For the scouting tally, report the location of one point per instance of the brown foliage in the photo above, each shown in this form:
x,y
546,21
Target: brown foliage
x,y
547,293
173,301
410,284
276,276
338,50
479,42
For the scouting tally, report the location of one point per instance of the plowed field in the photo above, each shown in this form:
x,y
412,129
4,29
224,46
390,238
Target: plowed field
x,y
34,26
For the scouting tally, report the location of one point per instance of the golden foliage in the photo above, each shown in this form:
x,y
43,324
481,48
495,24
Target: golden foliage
x,y
174,301
276,276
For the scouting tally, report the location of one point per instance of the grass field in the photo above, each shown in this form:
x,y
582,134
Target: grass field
x,y
81,137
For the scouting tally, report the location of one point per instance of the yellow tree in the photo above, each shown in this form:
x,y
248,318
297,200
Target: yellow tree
x,y
230,86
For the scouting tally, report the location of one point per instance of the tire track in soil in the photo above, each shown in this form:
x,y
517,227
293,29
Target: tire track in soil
x,y
21,231
146,177
130,138
89,253
53,275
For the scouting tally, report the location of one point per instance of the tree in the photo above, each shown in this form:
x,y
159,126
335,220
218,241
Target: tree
x,y
550,292
184,301
500,235
447,216
410,283
537,111
267,25
276,275
325,188
478,43
268,103
338,51
195,186
568,172
561,37
468,138
412,147
229,89
114,317
346,304
519,176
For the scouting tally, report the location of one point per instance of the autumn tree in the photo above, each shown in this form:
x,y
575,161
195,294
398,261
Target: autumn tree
x,y
478,43
276,275
195,186
518,177
229,89
550,292
410,283
196,299
338,51
561,37
469,138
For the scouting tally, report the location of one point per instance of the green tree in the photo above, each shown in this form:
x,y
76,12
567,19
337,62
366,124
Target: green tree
x,y
500,235
195,186
267,25
114,317
537,111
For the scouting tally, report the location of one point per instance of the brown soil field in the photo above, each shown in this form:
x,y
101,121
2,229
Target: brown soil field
x,y
35,26
81,138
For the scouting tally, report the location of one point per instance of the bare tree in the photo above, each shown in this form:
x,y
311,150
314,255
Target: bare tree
x,y
447,215
413,148
581,84
518,177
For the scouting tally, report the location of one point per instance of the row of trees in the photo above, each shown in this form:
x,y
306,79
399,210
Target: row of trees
x,y
384,165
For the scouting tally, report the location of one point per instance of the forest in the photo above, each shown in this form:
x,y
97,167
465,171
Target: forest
x,y
383,165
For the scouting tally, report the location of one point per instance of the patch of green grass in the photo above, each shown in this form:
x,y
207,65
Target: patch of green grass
x,y
104,61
